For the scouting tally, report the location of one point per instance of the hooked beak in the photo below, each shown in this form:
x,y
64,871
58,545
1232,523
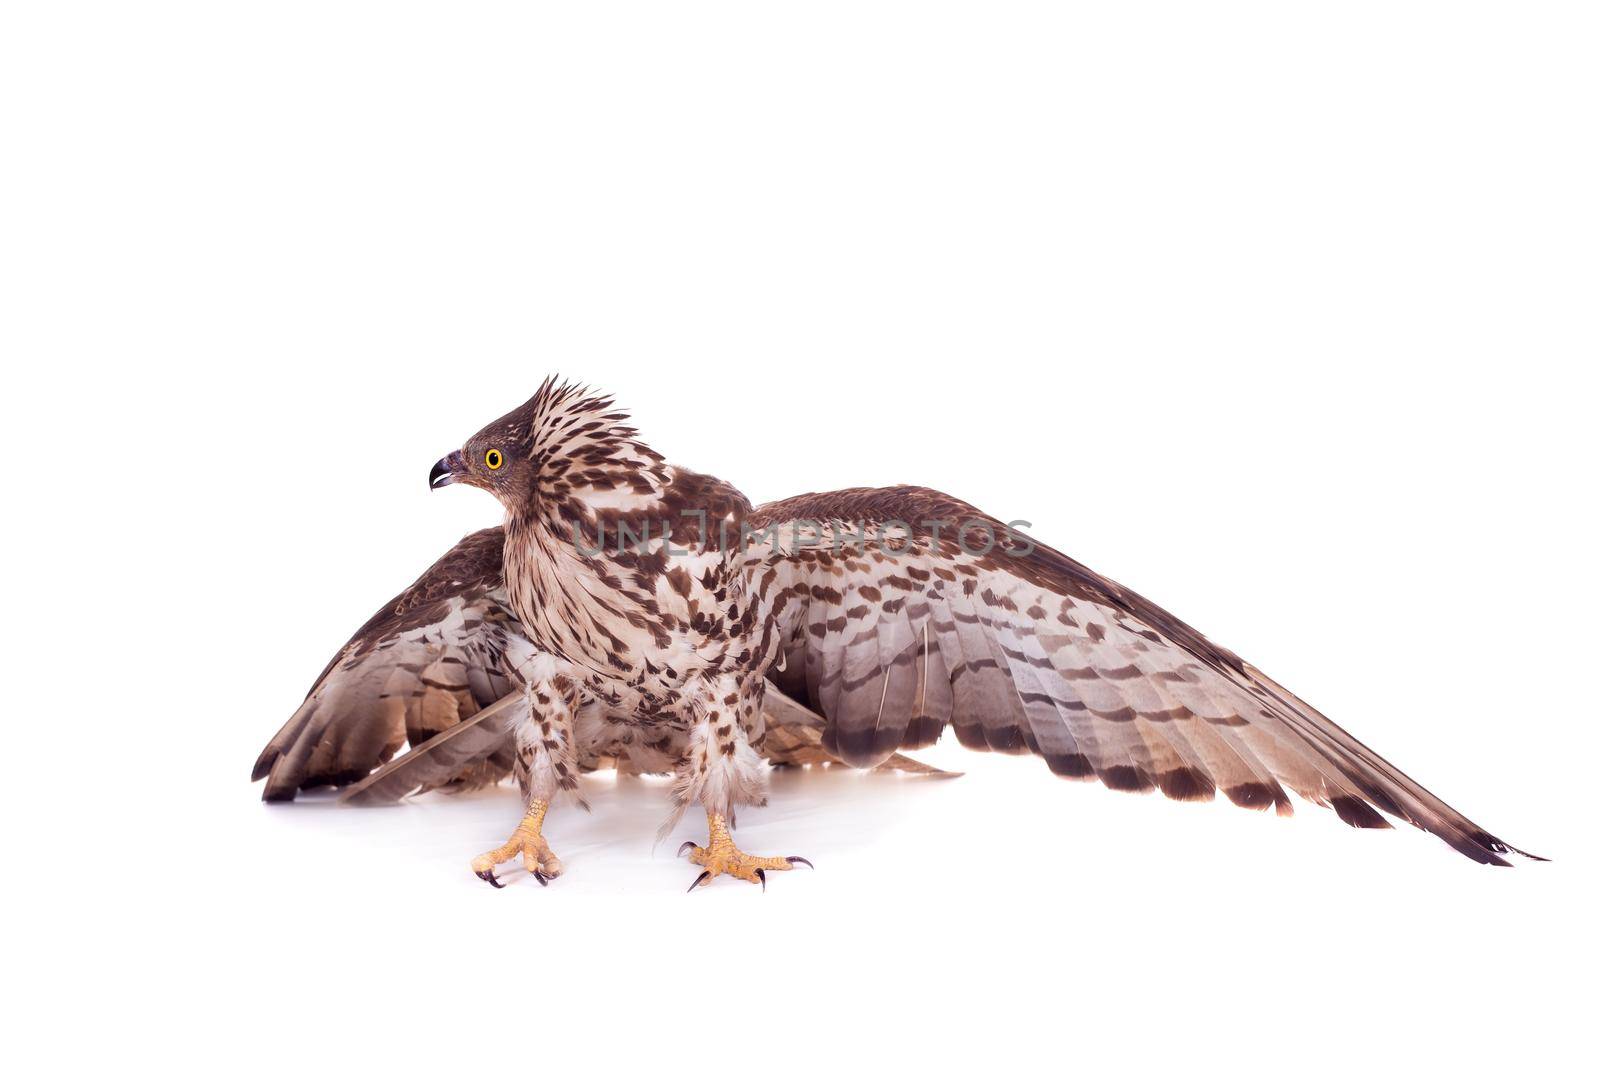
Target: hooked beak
x,y
446,471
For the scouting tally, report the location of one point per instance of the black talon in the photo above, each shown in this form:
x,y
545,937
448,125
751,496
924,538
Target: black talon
x,y
685,846
705,876
799,859
539,877
762,876
488,876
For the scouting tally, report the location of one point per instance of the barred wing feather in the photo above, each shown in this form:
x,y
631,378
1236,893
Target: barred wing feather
x,y
429,659
1018,648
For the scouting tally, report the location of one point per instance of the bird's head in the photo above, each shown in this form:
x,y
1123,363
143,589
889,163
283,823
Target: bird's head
x,y
564,437
496,459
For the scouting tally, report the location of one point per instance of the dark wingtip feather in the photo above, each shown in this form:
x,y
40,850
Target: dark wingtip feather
x,y
970,734
1126,779
1069,764
1358,813
1257,796
1473,851
1494,844
859,748
275,791
335,779
1008,738
921,731
1184,783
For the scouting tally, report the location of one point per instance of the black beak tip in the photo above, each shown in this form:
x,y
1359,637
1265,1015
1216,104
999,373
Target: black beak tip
x,y
441,474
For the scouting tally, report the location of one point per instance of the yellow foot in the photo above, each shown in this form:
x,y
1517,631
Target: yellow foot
x,y
528,840
722,857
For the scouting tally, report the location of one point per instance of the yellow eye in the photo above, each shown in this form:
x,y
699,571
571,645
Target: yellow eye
x,y
493,459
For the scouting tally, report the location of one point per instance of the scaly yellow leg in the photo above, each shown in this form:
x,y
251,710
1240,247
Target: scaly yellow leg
x,y
721,856
527,839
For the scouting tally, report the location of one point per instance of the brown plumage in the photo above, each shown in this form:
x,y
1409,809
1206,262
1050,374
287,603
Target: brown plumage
x,y
428,659
850,624
1022,649
387,694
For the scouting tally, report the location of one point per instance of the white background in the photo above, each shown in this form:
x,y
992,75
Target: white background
x,y
1283,315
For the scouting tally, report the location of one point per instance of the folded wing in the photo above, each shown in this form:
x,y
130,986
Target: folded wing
x,y
430,659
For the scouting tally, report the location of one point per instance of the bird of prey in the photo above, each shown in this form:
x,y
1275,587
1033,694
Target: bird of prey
x,y
636,614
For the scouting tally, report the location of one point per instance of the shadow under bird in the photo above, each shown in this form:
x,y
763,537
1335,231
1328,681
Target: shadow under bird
x,y
634,614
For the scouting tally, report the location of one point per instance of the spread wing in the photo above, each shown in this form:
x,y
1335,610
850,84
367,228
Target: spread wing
x,y
430,659
1020,649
